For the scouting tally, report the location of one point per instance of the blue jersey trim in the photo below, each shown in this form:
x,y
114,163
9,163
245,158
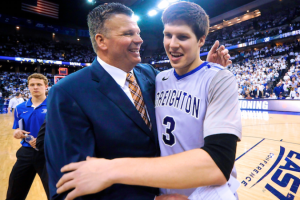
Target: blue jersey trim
x,y
191,72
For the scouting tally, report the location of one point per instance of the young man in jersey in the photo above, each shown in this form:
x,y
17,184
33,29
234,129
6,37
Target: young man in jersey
x,y
198,119
32,114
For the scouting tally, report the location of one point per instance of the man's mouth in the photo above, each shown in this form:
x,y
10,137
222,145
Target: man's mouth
x,y
134,50
176,55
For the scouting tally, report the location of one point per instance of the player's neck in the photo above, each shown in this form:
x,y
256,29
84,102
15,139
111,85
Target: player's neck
x,y
183,70
37,100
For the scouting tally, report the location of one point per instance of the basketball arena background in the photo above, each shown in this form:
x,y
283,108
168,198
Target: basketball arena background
x,y
51,37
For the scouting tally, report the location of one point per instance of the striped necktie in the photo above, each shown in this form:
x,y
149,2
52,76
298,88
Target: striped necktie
x,y
137,97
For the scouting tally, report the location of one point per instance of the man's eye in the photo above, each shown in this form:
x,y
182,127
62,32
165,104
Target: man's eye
x,y
183,37
168,35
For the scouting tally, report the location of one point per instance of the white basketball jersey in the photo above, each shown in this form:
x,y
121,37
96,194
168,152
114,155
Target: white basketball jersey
x,y
189,108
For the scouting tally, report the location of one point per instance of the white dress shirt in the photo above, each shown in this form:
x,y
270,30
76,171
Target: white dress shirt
x,y
120,77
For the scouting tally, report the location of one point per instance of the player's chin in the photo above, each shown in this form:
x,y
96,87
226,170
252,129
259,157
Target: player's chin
x,y
177,64
37,94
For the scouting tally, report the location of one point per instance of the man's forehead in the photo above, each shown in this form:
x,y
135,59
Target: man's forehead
x,y
121,22
36,80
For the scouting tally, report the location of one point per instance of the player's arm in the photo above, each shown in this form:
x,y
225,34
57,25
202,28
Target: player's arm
x,y
68,136
210,165
189,169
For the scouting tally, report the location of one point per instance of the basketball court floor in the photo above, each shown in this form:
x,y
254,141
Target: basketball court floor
x,y
267,159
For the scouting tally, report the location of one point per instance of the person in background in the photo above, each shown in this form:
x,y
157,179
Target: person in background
x,y
280,96
278,89
292,93
31,115
267,91
14,102
272,96
248,97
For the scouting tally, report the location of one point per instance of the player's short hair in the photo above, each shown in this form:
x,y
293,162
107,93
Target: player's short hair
x,y
38,76
191,13
97,17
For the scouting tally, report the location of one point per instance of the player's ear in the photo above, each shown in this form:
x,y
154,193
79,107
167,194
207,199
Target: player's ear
x,y
201,41
101,41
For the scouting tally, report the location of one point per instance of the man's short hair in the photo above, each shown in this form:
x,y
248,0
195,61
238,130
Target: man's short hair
x,y
191,13
38,76
98,16
17,94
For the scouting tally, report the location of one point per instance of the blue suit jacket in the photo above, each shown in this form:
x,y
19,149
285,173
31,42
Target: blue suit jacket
x,y
90,115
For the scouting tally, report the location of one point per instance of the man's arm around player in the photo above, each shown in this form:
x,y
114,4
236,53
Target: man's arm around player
x,y
189,169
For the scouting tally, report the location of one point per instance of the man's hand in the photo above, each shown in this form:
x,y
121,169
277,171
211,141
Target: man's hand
x,y
86,177
33,143
219,55
172,197
20,134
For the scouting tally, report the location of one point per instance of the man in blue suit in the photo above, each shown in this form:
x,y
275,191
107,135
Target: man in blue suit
x,y
278,89
106,110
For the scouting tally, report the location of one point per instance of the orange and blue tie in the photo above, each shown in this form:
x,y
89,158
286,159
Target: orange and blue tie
x,y
137,97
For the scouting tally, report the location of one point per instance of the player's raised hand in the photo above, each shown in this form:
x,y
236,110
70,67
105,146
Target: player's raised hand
x,y
219,55
171,197
86,177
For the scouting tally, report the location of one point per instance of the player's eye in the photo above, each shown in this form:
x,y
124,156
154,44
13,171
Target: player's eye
x,y
182,37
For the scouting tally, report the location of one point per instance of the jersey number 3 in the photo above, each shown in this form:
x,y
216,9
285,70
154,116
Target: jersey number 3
x,y
168,137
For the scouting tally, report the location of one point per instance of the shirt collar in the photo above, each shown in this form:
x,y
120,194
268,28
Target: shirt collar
x,y
29,103
191,72
117,74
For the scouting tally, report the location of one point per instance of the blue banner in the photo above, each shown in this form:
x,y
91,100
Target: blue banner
x,y
83,33
270,104
54,62
67,31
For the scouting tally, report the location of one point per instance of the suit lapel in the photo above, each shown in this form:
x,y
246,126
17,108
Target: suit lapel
x,y
109,88
148,91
